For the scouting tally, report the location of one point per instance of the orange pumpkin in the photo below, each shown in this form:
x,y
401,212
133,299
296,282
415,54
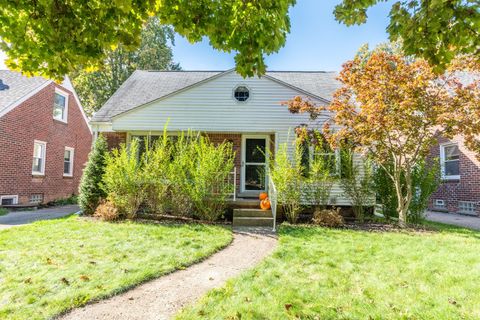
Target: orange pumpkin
x,y
265,204
263,196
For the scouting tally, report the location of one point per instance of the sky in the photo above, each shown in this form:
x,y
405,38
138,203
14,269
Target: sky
x,y
317,42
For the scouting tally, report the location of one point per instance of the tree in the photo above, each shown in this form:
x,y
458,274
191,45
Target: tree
x,y
90,191
394,108
54,38
434,30
94,88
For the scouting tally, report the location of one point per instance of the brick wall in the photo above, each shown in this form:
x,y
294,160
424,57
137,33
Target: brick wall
x,y
115,139
33,120
467,188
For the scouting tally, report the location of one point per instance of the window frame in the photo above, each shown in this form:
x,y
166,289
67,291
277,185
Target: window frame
x,y
10,196
44,157
240,86
65,110
335,152
72,157
443,160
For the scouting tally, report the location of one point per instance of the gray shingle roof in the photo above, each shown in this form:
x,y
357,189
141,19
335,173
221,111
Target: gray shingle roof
x,y
145,86
18,86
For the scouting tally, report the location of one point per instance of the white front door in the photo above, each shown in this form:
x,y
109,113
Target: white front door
x,y
255,153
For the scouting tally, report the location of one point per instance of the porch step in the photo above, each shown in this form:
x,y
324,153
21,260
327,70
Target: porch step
x,y
244,212
252,218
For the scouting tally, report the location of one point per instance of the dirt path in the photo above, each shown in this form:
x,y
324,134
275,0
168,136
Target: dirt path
x,y
162,298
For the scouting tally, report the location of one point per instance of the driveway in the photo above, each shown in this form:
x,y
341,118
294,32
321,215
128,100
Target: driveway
x,y
16,218
470,222
160,299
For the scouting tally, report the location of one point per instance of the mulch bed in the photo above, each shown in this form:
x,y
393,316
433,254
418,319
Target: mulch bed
x,y
386,227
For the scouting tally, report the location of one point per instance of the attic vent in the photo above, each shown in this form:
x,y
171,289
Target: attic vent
x,y
3,86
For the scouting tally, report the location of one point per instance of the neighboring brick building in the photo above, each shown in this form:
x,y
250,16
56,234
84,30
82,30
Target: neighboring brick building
x,y
460,188
44,139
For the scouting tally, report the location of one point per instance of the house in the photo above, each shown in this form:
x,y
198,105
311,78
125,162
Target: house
x,y
44,137
459,191
247,112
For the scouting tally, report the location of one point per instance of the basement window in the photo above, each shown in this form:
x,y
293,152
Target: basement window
x,y
8,200
466,207
36,198
440,204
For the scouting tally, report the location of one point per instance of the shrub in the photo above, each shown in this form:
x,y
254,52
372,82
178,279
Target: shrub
x,y
90,190
3,211
209,169
123,179
156,174
357,182
328,218
320,179
107,211
425,180
286,173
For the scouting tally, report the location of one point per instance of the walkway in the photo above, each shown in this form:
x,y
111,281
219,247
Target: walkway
x,y
162,298
471,222
15,218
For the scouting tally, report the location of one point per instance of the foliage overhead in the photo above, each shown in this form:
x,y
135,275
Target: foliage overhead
x,y
54,38
434,30
154,53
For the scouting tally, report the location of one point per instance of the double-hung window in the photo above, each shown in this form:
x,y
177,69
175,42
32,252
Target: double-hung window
x,y
450,161
39,156
68,162
60,105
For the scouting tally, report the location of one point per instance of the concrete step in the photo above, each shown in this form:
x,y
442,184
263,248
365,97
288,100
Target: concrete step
x,y
243,203
252,222
252,213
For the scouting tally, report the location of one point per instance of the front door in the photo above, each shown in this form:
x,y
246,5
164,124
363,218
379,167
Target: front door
x,y
254,164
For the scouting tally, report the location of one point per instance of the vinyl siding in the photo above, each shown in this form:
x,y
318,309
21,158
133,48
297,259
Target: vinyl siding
x,y
210,107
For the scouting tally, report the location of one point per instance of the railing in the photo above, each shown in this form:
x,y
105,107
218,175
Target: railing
x,y
272,195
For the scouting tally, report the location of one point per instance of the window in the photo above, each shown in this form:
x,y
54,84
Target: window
x,y
36,198
241,93
467,207
60,105
439,203
330,159
8,200
68,162
39,155
450,161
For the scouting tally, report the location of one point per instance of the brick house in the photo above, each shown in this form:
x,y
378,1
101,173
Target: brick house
x,y
459,191
44,137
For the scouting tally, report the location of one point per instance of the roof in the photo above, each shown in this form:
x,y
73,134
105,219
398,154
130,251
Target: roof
x,y
146,86
19,86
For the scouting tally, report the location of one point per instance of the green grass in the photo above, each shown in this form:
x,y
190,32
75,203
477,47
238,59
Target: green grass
x,y
3,211
319,273
51,266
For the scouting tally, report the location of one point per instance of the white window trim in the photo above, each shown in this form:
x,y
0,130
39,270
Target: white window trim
x,y
72,157
42,172
442,161
336,153
249,93
65,113
14,197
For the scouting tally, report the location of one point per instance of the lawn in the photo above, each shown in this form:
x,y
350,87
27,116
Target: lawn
x,y
51,266
319,273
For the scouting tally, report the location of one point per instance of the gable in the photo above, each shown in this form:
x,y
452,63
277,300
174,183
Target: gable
x,y
210,106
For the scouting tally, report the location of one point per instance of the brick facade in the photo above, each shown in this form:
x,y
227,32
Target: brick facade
x,y
114,139
467,188
33,120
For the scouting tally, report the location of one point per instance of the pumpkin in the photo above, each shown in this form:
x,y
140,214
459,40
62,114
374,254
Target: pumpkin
x,y
263,196
265,204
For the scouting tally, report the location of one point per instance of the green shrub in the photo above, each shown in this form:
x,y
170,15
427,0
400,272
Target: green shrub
x,y
90,191
425,180
3,211
357,182
123,180
209,168
156,174
286,173
320,179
